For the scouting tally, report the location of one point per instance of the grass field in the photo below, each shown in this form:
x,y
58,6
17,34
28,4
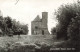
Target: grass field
x,y
27,39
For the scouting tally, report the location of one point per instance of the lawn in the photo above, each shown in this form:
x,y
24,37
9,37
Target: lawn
x,y
26,38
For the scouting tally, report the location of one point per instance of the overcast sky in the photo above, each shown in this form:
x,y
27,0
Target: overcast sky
x,y
26,10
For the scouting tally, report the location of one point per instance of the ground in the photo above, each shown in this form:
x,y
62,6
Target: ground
x,y
28,39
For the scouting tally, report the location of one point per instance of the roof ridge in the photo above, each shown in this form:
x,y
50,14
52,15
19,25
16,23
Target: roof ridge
x,y
37,18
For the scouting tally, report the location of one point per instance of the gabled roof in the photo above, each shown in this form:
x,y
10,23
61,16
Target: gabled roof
x,y
37,18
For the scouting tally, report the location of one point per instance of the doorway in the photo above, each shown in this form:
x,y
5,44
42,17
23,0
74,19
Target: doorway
x,y
42,32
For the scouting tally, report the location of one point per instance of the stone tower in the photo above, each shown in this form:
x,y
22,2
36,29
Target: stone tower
x,y
44,19
39,26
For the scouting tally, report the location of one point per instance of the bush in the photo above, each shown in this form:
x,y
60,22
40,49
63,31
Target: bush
x,y
42,47
22,47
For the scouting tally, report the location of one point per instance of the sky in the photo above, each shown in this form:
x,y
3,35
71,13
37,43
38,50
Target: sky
x,y
26,10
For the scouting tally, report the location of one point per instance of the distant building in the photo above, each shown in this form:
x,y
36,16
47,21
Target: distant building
x,y
39,26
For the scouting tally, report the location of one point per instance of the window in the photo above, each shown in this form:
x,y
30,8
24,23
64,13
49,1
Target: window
x,y
36,27
42,32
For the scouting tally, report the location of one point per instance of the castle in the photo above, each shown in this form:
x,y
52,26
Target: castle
x,y
39,26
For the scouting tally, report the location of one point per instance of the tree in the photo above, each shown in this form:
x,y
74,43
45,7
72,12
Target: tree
x,y
1,25
9,26
64,15
73,28
74,31
25,29
53,31
69,24
8,22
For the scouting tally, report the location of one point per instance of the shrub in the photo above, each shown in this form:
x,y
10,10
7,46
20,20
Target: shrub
x,y
42,47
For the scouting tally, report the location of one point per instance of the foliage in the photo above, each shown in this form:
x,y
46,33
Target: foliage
x,y
74,28
42,47
68,27
74,31
11,27
64,15
53,31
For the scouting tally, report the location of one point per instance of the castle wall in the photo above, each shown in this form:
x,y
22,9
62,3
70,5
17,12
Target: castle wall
x,y
44,19
35,27
40,27
45,31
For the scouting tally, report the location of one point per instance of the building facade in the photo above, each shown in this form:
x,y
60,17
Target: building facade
x,y
39,26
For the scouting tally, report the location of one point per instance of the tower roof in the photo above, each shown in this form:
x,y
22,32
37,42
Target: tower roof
x,y
37,18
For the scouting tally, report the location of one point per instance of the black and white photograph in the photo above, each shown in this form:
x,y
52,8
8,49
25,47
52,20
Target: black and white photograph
x,y
39,25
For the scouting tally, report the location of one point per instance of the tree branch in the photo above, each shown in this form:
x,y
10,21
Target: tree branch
x,y
16,2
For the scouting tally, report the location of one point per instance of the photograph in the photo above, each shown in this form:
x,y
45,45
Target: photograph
x,y
39,25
